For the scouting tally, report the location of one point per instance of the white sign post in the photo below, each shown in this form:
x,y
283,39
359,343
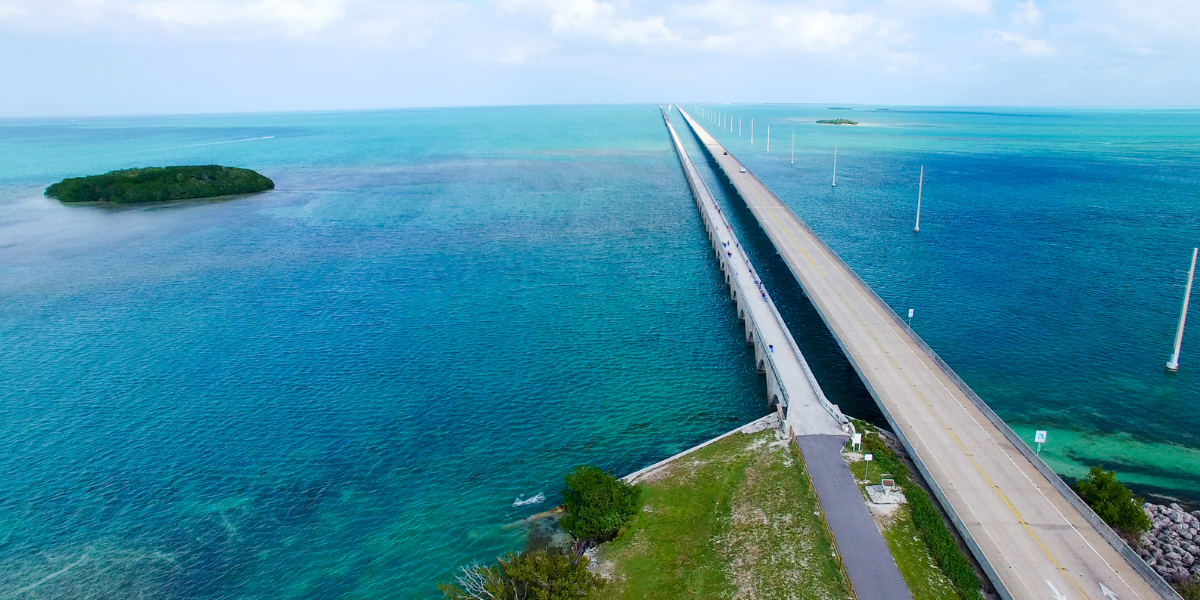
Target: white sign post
x,y
1039,438
867,469
856,441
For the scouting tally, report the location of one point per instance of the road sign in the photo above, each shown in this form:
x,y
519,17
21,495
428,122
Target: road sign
x,y
1039,438
856,441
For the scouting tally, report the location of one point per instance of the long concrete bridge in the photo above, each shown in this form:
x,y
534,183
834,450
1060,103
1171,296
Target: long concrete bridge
x,y
818,427
1031,533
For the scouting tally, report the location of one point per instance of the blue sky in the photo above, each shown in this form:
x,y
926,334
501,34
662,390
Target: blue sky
x,y
99,57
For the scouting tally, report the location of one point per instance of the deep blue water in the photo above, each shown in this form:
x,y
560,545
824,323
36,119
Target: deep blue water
x,y
337,388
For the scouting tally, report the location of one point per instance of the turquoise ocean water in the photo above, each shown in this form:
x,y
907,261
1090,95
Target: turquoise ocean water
x,y
338,388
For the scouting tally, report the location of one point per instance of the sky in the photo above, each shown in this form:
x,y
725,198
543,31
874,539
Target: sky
x,y
132,57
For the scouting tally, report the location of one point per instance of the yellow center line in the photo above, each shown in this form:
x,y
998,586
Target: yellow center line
x,y
1016,513
1011,507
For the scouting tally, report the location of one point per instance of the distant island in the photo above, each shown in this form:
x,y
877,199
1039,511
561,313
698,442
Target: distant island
x,y
838,122
159,184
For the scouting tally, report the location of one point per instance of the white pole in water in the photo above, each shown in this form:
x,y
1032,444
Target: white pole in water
x,y
793,147
1173,364
768,138
751,131
739,127
835,165
920,185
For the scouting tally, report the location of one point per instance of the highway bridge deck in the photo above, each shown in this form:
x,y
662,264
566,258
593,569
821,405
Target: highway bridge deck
x,y
816,424
1033,536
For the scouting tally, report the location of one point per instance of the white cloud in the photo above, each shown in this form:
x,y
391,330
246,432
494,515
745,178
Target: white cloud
x,y
726,26
823,31
968,45
11,8
596,20
1026,15
295,17
979,7
1025,46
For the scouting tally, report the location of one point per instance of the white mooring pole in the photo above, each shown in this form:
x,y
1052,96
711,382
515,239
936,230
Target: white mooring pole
x,y
793,147
1173,364
739,127
835,165
920,186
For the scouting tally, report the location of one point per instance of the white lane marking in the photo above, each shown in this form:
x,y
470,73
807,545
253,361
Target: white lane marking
x,y
984,431
885,388
890,326
942,384
1111,595
1057,595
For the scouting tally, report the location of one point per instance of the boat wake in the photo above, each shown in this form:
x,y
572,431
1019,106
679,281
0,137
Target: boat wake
x,y
535,499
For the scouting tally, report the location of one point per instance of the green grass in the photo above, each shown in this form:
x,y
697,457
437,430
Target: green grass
x,y
159,184
921,574
917,566
734,519
1190,590
940,548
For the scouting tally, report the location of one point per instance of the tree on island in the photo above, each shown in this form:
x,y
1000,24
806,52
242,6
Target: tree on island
x,y
1113,502
159,184
536,575
598,504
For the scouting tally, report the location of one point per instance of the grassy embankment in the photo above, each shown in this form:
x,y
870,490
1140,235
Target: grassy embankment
x,y
736,518
159,184
929,557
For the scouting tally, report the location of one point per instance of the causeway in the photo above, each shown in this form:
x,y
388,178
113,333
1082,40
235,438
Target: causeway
x,y
1033,536
819,428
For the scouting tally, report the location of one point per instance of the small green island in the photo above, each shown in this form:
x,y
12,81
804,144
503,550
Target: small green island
x,y
837,122
159,184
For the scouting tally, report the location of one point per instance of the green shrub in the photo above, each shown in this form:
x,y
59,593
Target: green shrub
x,y
1113,502
1190,590
158,184
597,504
537,575
941,543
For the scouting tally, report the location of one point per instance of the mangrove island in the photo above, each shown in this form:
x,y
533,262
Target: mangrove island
x,y
160,184
837,122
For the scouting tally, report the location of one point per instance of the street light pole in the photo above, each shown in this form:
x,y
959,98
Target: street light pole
x,y
1173,364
